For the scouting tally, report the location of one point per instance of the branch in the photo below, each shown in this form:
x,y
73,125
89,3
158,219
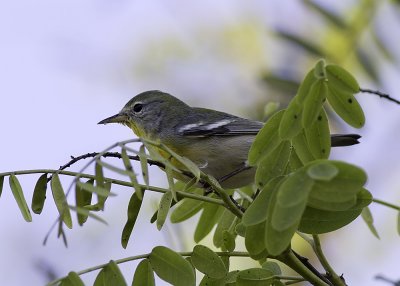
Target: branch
x,y
306,263
290,259
205,181
143,256
117,182
380,94
105,155
331,274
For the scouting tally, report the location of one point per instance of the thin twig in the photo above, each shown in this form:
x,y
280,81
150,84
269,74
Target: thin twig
x,y
204,183
380,94
105,155
386,204
394,283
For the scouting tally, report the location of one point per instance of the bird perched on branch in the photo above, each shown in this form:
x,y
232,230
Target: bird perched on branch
x,y
217,142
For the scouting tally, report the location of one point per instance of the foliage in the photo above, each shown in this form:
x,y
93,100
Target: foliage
x,y
299,190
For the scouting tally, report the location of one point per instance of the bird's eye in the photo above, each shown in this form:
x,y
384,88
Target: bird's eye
x,y
138,107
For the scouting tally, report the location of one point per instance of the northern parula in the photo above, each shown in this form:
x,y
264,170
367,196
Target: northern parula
x,y
217,142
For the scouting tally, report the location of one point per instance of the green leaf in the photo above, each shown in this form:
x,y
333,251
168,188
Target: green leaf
x,y
87,213
278,283
300,144
258,210
319,70
99,176
110,275
1,184
294,161
209,217
133,211
291,200
172,267
322,171
273,165
318,137
185,210
19,197
102,184
230,279
305,86
60,200
313,102
346,106
369,220
341,79
115,169
144,164
225,223
171,184
72,279
342,187
315,221
254,241
273,267
290,124
229,242
82,198
240,229
285,211
101,200
132,175
254,277
330,205
226,261
188,164
144,275
266,140
163,209
100,191
208,262
39,194
398,223
208,281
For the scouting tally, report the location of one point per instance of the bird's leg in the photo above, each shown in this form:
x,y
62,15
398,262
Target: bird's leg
x,y
227,176
234,173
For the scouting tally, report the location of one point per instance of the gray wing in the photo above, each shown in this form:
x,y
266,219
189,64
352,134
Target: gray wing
x,y
233,126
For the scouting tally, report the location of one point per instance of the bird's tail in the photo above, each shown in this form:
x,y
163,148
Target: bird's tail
x,y
340,140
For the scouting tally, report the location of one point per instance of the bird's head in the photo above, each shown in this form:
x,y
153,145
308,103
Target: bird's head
x,y
149,112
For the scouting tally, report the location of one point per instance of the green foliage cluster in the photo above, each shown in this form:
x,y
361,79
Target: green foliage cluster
x,y
297,190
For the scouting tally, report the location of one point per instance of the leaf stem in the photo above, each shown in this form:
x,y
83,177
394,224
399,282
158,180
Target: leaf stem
x,y
386,204
332,276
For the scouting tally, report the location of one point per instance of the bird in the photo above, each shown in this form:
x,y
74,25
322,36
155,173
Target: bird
x,y
217,142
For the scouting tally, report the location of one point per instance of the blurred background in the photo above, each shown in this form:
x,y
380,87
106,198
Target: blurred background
x,y
65,65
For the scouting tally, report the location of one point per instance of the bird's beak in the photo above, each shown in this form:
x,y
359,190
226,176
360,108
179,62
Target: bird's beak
x,y
117,118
